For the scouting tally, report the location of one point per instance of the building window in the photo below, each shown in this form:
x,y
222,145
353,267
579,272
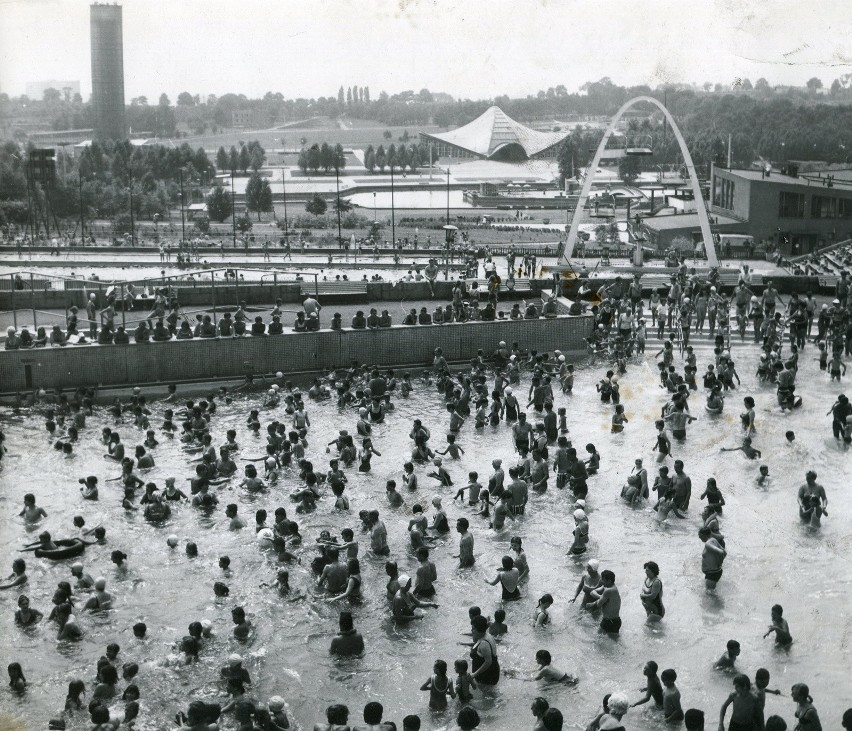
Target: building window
x,y
844,208
823,207
791,205
723,193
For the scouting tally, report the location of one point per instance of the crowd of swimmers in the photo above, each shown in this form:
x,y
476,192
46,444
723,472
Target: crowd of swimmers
x,y
486,392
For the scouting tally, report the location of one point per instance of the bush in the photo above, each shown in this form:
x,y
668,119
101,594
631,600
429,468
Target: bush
x,y
244,224
202,223
13,212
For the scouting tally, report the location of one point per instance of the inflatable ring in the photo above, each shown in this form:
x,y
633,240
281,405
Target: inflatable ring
x,y
67,548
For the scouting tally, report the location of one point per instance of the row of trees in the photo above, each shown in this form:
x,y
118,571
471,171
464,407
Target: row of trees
x,y
251,156
322,157
404,156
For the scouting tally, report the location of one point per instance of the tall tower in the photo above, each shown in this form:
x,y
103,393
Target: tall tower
x,y
108,72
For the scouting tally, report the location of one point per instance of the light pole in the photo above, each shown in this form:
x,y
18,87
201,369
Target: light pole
x,y
157,227
337,185
284,195
82,220
233,210
393,214
375,217
448,196
182,206
132,223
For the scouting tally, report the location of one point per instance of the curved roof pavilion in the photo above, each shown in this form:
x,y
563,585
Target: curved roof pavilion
x,y
494,135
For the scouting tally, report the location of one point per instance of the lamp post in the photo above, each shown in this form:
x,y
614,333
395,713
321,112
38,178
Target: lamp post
x,y
157,227
132,222
182,206
82,220
233,210
375,217
337,185
284,195
393,214
448,196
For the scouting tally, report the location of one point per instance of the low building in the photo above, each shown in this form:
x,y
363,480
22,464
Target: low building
x,y
660,232
796,213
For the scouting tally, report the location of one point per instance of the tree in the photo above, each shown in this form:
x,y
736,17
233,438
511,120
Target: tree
x,y
245,159
258,195
340,96
326,157
349,96
303,160
222,159
314,159
316,205
402,157
628,169
392,157
387,134
370,159
164,100
338,158
256,158
746,85
413,159
612,233
381,158
814,84
836,87
233,159
52,96
219,204
366,94
342,205
601,236
244,224
761,85
185,99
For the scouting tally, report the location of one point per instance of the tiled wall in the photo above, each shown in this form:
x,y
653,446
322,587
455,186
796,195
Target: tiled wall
x,y
199,360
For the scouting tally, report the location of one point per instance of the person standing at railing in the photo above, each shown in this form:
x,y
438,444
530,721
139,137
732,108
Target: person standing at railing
x,y
92,315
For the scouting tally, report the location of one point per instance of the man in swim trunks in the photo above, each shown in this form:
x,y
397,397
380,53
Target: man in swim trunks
x,y
609,603
711,558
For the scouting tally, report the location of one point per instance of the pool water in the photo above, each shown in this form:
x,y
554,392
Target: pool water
x,y
772,559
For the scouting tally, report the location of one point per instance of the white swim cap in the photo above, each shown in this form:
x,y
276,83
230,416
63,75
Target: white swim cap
x,y
172,540
279,374
508,390
235,658
561,358
265,534
275,703
593,564
403,579
76,565
579,515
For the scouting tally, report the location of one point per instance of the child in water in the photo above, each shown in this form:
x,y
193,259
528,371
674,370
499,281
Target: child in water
x,y
464,681
439,687
779,627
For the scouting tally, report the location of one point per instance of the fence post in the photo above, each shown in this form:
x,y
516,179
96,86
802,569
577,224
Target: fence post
x,y
237,285
32,303
123,308
14,309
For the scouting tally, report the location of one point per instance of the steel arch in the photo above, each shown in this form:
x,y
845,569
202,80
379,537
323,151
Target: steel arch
x,y
703,220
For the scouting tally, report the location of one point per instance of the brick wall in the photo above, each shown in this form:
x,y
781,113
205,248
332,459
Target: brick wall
x,y
200,360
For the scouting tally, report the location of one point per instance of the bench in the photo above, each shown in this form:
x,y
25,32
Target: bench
x,y
335,288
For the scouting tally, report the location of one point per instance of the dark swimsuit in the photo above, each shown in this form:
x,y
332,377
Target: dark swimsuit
x,y
490,676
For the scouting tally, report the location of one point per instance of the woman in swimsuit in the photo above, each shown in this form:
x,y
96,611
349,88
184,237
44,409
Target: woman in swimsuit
x,y
652,591
485,666
590,582
366,454
541,616
508,577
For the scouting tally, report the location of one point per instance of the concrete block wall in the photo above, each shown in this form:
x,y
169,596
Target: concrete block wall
x,y
200,360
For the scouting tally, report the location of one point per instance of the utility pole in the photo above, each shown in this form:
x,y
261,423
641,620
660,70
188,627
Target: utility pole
x,y
448,196
233,209
337,184
393,214
284,194
132,223
182,206
82,221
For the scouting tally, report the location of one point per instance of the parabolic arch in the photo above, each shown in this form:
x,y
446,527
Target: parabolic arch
x,y
703,220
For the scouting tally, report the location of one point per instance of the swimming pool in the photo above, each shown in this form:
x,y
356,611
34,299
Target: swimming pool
x,y
772,559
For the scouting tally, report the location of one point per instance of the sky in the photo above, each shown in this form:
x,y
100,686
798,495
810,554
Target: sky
x,y
473,49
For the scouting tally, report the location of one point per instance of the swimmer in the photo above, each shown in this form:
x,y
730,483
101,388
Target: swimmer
x,y
726,659
465,554
18,577
548,672
763,476
747,712
712,558
780,627
653,687
31,512
101,598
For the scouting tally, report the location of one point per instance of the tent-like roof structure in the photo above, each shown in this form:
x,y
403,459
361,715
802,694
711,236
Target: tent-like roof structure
x,y
494,132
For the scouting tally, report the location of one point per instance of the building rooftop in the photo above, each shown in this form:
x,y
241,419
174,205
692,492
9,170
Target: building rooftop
x,y
842,178
686,220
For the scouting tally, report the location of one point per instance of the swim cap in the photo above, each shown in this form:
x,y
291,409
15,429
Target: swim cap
x,y
275,703
835,302
172,540
76,565
754,298
403,579
279,374
712,289
436,500
508,390
580,503
235,658
561,358
579,515
275,387
265,534
593,564
502,344
100,583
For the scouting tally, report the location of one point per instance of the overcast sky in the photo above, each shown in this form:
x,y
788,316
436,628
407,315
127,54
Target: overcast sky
x,y
468,48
